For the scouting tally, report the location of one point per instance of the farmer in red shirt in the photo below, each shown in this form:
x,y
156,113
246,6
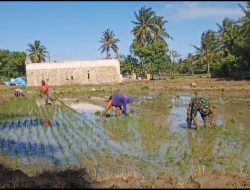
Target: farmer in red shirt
x,y
45,91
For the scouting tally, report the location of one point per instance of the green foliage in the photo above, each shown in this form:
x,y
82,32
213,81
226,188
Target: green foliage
x,y
145,88
98,113
227,52
149,44
153,56
118,128
37,52
109,42
149,28
12,64
152,134
130,65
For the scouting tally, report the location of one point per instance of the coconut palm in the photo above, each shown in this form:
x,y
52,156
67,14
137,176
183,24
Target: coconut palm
x,y
144,29
130,65
191,61
159,31
207,53
37,52
229,34
245,20
109,42
149,28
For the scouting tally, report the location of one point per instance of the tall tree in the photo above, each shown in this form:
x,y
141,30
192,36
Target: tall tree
x,y
37,52
229,37
152,56
208,52
144,26
130,65
109,42
12,64
245,21
149,44
190,61
159,31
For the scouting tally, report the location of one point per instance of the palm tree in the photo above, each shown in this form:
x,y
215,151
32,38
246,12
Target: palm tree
x,y
229,34
144,29
246,19
149,27
130,66
109,42
37,52
207,53
159,29
191,62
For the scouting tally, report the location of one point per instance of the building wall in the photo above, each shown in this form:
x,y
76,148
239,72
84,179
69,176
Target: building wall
x,y
74,72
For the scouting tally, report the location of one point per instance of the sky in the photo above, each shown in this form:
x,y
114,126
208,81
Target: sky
x,y
72,30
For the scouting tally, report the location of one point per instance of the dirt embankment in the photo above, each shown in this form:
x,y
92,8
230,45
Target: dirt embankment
x,y
79,179
207,180
201,84
62,179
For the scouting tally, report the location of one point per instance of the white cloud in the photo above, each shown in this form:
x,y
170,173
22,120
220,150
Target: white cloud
x,y
169,6
195,10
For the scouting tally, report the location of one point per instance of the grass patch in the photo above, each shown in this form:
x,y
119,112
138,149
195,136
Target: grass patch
x,y
118,128
152,134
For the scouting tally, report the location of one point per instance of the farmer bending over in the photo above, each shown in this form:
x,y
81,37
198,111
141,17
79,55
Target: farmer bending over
x,y
19,93
119,101
199,104
46,94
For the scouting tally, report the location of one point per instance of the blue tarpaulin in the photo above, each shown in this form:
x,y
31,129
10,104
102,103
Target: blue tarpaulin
x,y
16,82
20,82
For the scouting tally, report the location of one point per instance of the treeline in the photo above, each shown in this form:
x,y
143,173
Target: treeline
x,y
224,52
12,63
221,53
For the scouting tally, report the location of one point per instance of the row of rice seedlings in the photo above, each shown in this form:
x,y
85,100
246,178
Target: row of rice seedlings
x,y
98,138
56,132
75,131
7,140
47,141
119,127
116,147
152,134
67,141
80,138
97,135
9,148
66,138
51,139
18,134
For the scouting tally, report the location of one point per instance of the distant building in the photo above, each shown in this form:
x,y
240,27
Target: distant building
x,y
73,72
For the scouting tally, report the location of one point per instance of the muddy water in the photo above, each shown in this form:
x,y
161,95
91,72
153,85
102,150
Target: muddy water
x,y
69,138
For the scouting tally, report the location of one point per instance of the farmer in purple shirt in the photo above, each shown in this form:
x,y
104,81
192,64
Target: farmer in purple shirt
x,y
119,101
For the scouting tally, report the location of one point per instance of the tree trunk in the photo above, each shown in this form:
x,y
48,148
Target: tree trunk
x,y
208,70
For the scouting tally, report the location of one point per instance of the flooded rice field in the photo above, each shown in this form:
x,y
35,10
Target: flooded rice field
x,y
152,141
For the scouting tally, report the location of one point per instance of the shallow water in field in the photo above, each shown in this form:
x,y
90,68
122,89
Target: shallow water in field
x,y
150,142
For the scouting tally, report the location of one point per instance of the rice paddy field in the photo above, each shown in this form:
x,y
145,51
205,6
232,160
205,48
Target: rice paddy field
x,y
152,142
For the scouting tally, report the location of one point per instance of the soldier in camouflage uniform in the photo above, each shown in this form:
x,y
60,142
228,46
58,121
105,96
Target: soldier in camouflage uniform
x,y
199,104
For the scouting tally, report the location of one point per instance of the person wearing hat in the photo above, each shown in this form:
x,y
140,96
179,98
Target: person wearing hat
x,y
119,101
201,105
46,93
